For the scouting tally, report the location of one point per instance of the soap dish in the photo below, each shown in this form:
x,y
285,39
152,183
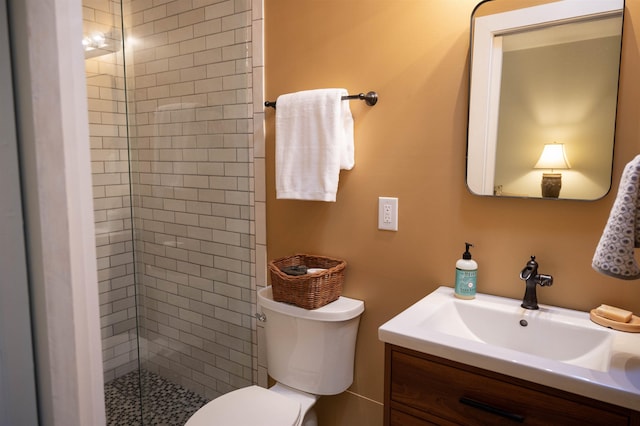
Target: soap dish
x,y
633,326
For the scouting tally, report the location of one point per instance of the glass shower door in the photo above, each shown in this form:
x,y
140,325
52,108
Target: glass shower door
x,y
171,123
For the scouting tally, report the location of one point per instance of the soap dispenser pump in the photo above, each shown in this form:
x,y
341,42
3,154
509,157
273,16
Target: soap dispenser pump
x,y
466,272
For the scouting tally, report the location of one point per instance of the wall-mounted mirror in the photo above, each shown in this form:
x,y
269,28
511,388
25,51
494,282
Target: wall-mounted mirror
x,y
543,97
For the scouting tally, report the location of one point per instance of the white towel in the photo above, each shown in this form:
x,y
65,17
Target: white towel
x,y
614,254
314,141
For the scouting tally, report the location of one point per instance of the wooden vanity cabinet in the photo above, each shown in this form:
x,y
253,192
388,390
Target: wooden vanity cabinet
x,y
422,389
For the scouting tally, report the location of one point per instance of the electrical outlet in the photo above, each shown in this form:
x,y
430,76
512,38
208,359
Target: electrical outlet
x,y
388,213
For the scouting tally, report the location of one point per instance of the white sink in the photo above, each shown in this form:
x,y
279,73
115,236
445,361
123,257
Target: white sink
x,y
502,323
552,346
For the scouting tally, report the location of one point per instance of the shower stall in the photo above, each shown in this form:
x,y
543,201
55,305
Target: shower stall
x,y
176,133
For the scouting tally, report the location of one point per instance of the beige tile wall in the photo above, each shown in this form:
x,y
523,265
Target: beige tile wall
x,y
191,106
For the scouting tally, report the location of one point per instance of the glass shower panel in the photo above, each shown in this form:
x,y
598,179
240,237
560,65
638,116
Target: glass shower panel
x,y
110,175
191,134
106,101
171,135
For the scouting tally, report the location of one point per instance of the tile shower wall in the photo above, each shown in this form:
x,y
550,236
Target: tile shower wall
x,y
191,115
107,128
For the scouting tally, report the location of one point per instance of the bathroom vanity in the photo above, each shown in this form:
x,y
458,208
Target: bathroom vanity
x,y
489,361
422,389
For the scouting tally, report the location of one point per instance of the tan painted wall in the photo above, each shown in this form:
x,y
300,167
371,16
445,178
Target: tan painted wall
x,y
412,146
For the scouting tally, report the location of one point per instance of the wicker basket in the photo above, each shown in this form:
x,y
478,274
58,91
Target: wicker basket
x,y
309,291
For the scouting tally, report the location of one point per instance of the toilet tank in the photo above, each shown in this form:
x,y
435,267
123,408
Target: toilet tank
x,y
311,350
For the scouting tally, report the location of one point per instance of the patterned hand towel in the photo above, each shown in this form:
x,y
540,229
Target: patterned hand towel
x,y
614,253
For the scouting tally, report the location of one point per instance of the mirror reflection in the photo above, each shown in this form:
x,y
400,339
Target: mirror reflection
x,y
543,96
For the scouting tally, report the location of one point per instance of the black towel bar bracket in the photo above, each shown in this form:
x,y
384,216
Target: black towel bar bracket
x,y
370,98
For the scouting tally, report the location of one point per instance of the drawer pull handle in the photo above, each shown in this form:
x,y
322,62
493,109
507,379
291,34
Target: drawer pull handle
x,y
491,409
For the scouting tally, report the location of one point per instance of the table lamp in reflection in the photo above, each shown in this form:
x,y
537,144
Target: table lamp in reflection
x,y
553,158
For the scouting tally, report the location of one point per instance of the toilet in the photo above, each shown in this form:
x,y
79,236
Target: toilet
x,y
310,353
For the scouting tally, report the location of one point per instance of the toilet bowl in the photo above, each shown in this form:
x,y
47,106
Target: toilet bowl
x,y
254,405
309,353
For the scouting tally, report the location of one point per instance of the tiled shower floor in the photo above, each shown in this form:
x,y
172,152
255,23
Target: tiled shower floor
x,y
164,403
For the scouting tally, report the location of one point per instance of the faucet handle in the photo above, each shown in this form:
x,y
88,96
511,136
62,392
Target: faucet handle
x,y
545,280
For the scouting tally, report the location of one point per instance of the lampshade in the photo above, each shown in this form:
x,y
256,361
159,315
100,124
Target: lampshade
x,y
553,157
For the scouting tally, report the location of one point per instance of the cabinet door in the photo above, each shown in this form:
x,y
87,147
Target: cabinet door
x,y
470,399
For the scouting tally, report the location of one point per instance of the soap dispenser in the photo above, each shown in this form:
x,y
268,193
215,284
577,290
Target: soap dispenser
x,y
466,271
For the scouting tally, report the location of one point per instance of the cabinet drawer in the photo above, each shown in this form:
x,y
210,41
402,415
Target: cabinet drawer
x,y
398,418
467,398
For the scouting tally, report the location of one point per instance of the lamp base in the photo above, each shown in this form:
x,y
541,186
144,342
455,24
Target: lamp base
x,y
551,184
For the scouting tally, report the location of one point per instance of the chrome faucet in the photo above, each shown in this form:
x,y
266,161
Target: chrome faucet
x,y
533,278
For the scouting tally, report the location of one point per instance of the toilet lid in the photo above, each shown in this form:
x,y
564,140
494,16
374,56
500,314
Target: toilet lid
x,y
248,406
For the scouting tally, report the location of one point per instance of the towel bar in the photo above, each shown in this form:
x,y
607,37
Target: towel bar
x,y
371,98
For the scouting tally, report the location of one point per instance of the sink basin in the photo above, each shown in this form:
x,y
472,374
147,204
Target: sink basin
x,y
503,323
552,346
